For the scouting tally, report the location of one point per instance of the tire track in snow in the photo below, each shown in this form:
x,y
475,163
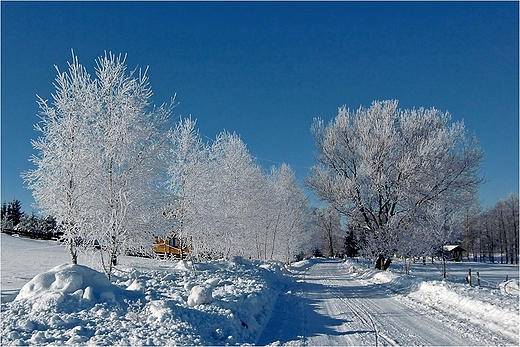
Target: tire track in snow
x,y
328,305
381,312
360,312
405,325
409,323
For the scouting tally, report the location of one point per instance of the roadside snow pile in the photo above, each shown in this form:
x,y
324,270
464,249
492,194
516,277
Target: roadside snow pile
x,y
482,306
158,303
510,287
498,309
391,282
76,282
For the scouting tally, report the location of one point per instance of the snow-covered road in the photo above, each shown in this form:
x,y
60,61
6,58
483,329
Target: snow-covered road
x,y
329,305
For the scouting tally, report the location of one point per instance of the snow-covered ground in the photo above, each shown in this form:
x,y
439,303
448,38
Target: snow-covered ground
x,y
149,302
314,302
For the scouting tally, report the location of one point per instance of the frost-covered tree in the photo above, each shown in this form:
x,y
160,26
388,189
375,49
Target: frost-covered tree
x,y
271,211
511,223
222,204
129,149
385,168
99,162
187,165
291,235
235,181
495,232
328,221
62,177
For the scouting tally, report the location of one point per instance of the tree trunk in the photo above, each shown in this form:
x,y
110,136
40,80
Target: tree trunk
x,y
73,253
380,262
387,263
331,246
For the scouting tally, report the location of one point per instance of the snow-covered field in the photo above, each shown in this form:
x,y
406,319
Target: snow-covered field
x,y
150,302
237,302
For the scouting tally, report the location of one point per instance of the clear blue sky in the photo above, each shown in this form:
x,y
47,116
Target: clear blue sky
x,y
265,70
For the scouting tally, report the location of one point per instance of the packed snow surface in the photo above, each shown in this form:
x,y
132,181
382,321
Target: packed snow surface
x,y
335,302
237,302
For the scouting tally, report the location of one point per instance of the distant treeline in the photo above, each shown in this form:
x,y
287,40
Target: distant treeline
x,y
16,221
492,235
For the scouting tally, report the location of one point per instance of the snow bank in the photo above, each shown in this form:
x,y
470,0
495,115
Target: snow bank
x,y
150,302
510,287
479,305
153,302
394,283
22,259
75,281
497,309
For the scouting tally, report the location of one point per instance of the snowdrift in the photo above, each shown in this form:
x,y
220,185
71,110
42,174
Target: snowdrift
x,y
160,303
511,287
76,282
495,308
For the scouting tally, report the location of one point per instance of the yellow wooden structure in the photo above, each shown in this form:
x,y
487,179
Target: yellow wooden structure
x,y
170,247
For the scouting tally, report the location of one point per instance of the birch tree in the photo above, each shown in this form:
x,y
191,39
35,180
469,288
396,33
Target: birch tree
x,y
384,167
60,181
99,161
130,140
269,213
295,215
187,165
237,180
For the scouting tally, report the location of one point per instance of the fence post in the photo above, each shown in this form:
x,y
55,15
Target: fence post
x,y
469,277
478,278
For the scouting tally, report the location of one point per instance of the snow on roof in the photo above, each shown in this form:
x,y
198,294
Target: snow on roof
x,y
451,248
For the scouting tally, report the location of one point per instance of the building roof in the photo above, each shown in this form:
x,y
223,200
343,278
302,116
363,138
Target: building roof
x,y
451,248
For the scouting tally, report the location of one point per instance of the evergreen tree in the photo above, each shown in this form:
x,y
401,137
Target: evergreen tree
x,y
6,224
4,210
351,247
14,211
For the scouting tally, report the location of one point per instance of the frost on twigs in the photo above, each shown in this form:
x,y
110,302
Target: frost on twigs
x,y
401,177
99,159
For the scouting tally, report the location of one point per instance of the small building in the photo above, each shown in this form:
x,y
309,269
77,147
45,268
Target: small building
x,y
455,252
170,247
